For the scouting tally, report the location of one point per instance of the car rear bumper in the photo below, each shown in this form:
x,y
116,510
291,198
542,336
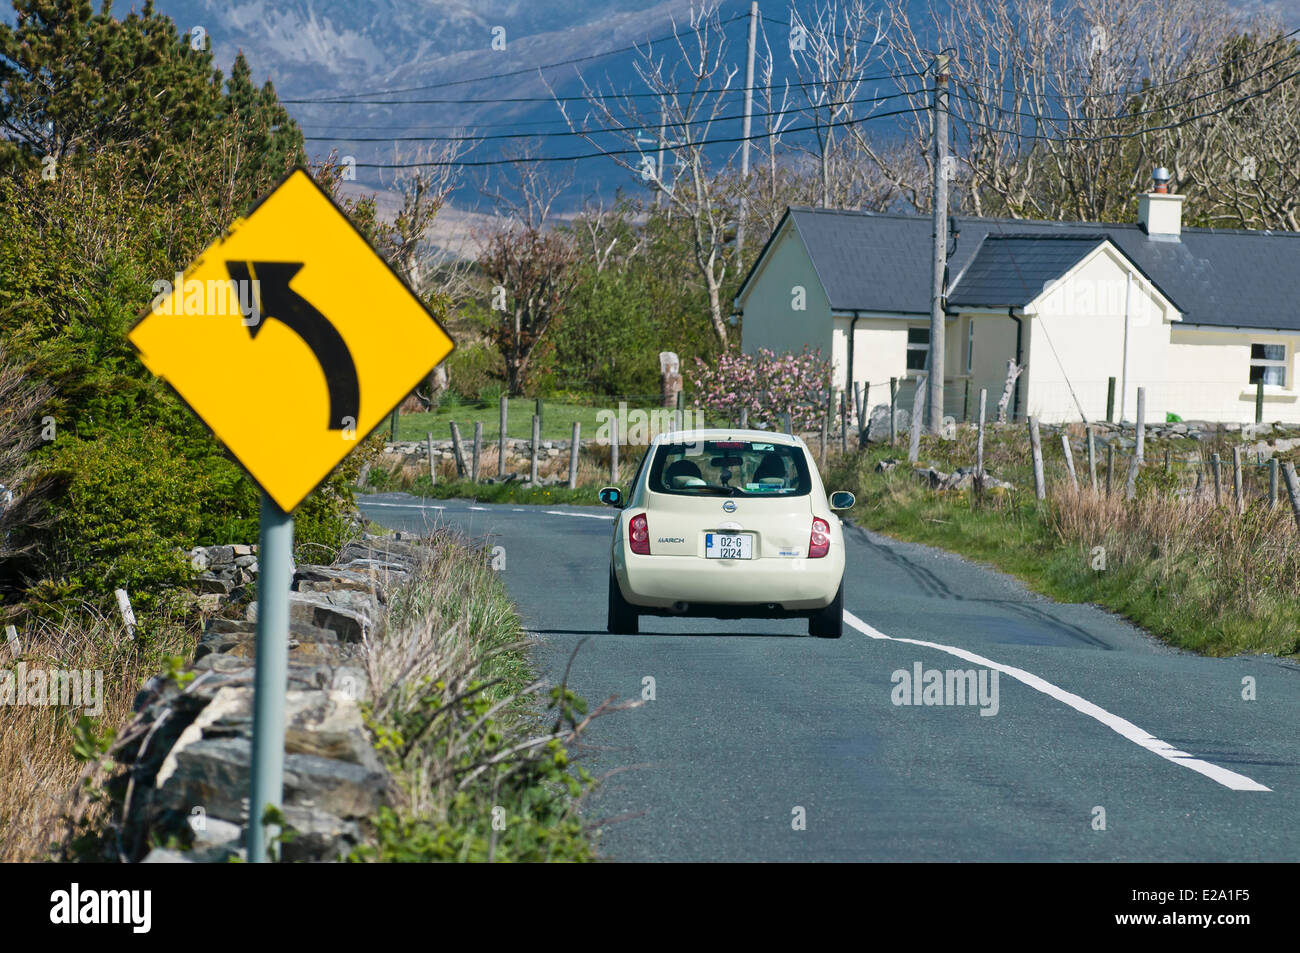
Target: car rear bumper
x,y
722,588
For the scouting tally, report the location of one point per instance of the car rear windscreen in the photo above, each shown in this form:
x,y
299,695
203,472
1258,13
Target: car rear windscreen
x,y
730,468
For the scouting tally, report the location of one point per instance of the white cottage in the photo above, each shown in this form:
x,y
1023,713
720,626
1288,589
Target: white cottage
x,y
1199,317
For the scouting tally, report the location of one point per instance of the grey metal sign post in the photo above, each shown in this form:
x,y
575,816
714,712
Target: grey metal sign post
x,y
271,681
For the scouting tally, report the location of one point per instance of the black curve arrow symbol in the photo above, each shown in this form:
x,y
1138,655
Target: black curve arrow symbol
x,y
277,300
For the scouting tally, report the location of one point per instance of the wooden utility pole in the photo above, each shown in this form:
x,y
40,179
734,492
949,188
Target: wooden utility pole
x,y
940,229
745,127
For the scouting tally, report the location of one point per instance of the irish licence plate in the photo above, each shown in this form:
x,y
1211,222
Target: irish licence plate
x,y
729,545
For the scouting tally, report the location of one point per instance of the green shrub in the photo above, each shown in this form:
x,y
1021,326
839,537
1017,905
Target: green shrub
x,y
130,504
473,369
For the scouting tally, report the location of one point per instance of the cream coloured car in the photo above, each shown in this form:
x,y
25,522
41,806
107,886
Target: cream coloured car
x,y
728,524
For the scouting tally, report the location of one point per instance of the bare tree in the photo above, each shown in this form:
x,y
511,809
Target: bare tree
x,y
1059,110
831,50
690,83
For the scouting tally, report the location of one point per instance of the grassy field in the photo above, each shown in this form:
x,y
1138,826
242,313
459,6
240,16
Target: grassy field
x,y
557,420
1197,575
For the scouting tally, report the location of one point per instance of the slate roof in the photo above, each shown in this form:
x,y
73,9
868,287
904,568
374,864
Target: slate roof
x,y
873,261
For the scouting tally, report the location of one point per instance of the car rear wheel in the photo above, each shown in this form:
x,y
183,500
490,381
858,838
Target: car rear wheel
x,y
829,622
623,618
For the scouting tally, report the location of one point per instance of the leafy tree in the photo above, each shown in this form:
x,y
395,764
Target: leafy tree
x,y
532,273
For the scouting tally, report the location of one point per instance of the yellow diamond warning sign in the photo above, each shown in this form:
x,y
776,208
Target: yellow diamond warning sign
x,y
291,338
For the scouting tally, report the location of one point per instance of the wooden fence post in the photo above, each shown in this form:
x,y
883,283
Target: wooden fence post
x,y
1292,490
1238,496
1259,401
1214,470
433,465
501,441
476,450
127,613
537,440
458,450
1069,459
1272,483
1092,458
1110,400
979,443
613,452
844,424
1036,449
574,444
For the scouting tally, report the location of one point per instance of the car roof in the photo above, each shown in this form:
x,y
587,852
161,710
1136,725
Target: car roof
x,y
694,436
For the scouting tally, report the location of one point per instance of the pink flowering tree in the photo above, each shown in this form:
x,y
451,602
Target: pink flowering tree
x,y
767,384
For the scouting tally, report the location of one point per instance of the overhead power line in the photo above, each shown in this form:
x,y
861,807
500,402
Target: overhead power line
x,y
609,153
569,133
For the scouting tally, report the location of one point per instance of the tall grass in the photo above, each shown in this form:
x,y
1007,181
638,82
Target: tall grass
x,y
39,767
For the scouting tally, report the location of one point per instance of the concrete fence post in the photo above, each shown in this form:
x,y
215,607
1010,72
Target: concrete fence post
x,y
918,411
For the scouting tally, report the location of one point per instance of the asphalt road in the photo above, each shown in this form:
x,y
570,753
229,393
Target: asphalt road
x,y
755,726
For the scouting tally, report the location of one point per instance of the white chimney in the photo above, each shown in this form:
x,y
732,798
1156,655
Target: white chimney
x,y
1159,213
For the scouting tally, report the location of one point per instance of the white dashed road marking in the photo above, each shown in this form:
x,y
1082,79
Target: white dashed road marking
x,y
1144,739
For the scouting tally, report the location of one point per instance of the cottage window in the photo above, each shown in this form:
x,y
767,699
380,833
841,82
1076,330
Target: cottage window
x,y
1268,364
918,348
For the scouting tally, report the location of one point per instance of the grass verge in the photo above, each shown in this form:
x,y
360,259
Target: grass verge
x,y
1194,574
478,746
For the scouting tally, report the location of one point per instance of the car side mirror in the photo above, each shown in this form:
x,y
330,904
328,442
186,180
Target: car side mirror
x,y
842,500
611,496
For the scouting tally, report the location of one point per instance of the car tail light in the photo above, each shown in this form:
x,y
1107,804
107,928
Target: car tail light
x,y
638,535
819,544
